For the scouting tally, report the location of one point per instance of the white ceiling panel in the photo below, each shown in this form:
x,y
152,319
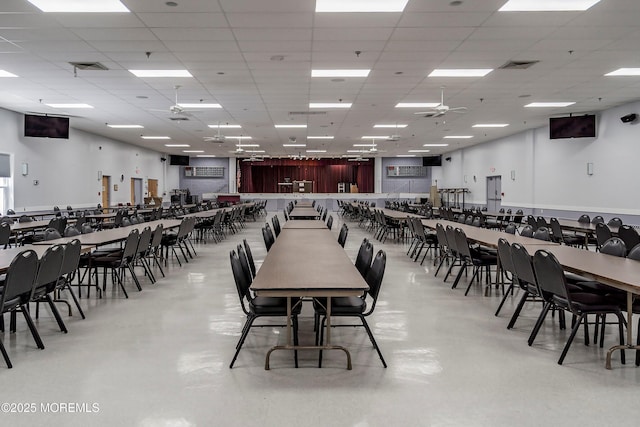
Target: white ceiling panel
x,y
183,20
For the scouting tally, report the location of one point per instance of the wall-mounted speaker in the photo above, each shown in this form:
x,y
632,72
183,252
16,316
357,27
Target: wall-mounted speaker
x,y
629,118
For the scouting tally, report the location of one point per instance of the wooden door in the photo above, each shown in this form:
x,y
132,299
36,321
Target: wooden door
x,y
153,187
106,181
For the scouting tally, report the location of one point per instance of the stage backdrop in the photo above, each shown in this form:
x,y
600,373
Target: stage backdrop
x,y
263,177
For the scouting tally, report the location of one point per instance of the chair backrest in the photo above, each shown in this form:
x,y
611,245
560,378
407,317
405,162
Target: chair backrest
x,y
10,212
125,222
247,251
517,218
511,228
133,219
531,220
634,253
240,278
330,222
81,220
71,231
550,276
156,236
541,222
476,222
615,222
276,225
25,218
375,275
342,237
49,267
244,262
522,265
130,245
451,240
527,231
441,234
71,257
6,219
51,234
462,218
144,241
597,220
268,242
468,220
5,234
462,244
364,257
603,233
556,230
86,228
629,235
584,219
504,253
542,233
19,280
614,246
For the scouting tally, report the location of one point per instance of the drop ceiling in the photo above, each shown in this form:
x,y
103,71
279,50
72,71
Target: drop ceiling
x,y
254,57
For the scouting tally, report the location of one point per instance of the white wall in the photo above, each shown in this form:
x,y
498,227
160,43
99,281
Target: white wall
x,y
67,170
552,174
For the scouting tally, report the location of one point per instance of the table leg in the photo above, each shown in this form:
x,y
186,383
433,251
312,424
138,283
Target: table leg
x,y
628,345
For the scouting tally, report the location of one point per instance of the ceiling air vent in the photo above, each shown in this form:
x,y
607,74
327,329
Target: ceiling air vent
x,y
518,65
91,66
307,113
179,119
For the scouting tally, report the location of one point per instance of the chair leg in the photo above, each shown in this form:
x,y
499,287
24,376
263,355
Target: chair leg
x,y
295,338
73,296
516,313
504,298
475,274
5,355
536,328
243,336
373,340
574,330
32,327
56,313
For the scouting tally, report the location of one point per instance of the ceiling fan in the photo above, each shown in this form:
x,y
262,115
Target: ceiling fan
x,y
217,139
177,109
253,158
441,109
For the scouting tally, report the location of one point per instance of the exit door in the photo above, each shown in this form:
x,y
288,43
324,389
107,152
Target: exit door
x,y
494,193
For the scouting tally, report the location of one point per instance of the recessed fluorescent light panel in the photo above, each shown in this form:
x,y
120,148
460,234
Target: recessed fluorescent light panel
x,y
155,137
319,137
360,5
177,145
470,72
200,105
294,145
417,104
193,151
69,105
126,126
458,137
290,126
547,5
4,73
365,145
340,73
419,151
548,104
405,155
490,125
329,105
625,72
238,137
396,126
247,145
254,151
357,151
91,6
161,73
435,145
316,151
206,155
375,137
225,126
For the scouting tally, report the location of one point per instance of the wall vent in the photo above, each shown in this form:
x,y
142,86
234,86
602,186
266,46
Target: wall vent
x,y
307,113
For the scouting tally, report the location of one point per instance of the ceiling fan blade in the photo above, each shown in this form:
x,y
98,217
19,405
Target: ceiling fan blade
x,y
458,109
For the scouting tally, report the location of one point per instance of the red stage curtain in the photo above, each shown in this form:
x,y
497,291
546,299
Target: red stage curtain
x,y
263,177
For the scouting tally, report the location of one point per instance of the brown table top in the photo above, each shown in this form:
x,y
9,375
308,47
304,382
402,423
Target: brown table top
x,y
304,224
304,204
20,227
308,262
390,213
105,237
585,227
7,255
304,212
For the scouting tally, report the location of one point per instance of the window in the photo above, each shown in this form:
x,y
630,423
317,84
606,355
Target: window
x,y
6,183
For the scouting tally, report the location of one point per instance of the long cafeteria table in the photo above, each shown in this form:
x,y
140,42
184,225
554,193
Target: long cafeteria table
x,y
7,255
304,213
618,272
308,262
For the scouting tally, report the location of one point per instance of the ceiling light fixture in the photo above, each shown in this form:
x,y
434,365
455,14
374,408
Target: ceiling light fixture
x,y
320,137
469,72
398,126
225,126
238,137
548,104
290,126
406,155
371,144
155,137
100,6
625,72
206,155
294,145
4,73
193,151
546,5
340,73
69,105
417,104
177,145
126,126
316,151
435,145
375,137
247,145
458,137
199,105
490,125
329,105
419,151
360,5
161,73
254,151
